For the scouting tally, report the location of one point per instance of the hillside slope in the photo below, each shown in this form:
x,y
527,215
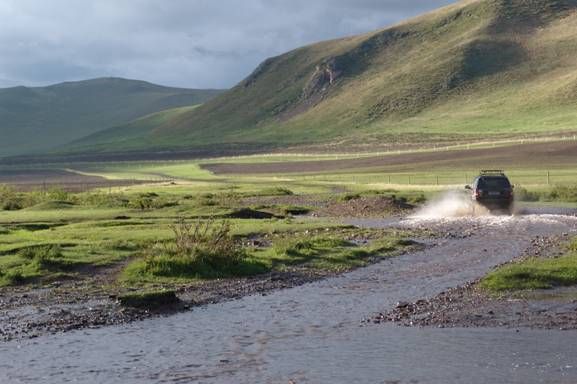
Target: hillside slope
x,y
475,69
40,118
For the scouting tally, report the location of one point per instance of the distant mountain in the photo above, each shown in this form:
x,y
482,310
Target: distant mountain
x,y
475,69
41,118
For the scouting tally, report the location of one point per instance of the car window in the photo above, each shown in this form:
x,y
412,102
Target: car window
x,y
493,183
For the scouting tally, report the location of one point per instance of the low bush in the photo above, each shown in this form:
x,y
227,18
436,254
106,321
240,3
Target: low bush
x,y
10,200
209,242
199,249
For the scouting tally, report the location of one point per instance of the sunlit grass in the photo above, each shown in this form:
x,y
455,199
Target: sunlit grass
x,y
535,273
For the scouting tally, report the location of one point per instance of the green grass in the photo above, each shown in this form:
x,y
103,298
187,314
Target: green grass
x,y
430,176
105,229
37,261
101,230
327,252
324,252
534,273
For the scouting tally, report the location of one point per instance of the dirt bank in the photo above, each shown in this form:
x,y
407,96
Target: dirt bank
x,y
470,306
339,206
27,312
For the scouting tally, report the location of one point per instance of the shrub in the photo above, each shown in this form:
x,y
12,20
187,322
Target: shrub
x,y
208,241
56,193
198,249
10,200
11,205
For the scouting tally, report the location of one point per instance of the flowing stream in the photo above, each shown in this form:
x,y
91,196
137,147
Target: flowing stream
x,y
315,334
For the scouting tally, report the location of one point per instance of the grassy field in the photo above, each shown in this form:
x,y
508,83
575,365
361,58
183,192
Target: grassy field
x,y
54,235
307,173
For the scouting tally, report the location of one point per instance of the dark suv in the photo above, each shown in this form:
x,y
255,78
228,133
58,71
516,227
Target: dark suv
x,y
493,190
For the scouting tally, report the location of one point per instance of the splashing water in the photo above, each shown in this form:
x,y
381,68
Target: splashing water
x,y
451,204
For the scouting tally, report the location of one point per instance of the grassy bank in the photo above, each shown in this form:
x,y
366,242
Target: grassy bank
x,y
535,273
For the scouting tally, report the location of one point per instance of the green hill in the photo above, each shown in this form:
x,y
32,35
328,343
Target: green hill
x,y
40,118
475,69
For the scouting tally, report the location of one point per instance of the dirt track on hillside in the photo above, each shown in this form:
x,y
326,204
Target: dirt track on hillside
x,y
527,155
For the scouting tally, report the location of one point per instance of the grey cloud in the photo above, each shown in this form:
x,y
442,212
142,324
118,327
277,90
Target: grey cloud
x,y
193,43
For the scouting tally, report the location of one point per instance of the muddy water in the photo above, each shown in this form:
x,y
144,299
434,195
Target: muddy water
x,y
314,333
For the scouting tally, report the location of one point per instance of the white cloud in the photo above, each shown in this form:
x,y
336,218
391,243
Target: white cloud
x,y
192,43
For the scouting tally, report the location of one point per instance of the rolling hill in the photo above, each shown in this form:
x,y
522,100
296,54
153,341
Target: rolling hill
x,y
475,69
41,118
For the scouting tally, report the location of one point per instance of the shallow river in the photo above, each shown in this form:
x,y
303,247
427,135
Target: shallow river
x,y
314,333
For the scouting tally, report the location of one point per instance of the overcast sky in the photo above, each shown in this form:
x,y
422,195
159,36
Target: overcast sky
x,y
187,43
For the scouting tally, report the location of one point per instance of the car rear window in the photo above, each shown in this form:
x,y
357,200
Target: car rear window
x,y
493,183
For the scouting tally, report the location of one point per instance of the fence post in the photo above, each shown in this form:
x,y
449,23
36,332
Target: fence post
x,y
437,179
389,179
548,178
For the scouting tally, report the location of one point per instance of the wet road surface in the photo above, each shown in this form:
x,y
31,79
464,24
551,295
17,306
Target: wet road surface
x,y
314,333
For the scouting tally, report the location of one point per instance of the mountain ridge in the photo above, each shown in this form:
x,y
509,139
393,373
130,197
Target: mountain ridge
x,y
36,119
476,67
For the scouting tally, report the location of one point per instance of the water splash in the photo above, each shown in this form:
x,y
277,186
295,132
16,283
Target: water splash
x,y
451,204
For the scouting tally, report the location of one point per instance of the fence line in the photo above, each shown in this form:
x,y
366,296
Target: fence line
x,y
545,178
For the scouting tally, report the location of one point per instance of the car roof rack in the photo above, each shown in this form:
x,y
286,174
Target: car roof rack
x,y
493,172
